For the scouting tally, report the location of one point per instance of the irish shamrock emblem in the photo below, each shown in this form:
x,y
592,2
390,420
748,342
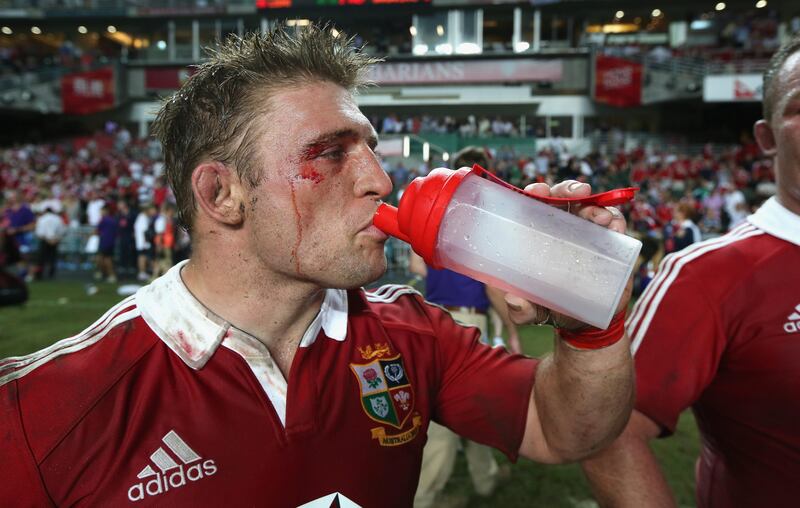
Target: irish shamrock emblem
x,y
380,406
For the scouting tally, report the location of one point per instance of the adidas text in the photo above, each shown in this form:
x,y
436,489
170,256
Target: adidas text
x,y
162,483
793,325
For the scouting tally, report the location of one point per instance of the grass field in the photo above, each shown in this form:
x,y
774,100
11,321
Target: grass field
x,y
60,309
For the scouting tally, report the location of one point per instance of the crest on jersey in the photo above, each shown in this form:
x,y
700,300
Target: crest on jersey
x,y
388,397
386,394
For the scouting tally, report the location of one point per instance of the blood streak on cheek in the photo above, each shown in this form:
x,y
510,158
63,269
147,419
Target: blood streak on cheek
x,y
299,224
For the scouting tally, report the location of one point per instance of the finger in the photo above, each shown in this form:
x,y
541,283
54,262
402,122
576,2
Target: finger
x,y
618,222
597,214
520,311
571,189
537,189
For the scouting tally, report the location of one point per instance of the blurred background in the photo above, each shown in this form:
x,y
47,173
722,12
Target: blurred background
x,y
658,95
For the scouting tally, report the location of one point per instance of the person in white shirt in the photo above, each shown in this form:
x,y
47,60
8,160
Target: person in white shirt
x,y
50,229
144,247
94,209
735,205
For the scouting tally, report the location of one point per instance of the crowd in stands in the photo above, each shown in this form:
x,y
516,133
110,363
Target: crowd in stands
x,y
468,126
110,200
738,39
110,188
18,60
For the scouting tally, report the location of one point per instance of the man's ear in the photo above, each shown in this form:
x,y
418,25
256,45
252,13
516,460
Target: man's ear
x,y
765,138
218,192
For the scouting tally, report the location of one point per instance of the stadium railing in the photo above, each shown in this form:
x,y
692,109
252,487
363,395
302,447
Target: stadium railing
x,y
72,249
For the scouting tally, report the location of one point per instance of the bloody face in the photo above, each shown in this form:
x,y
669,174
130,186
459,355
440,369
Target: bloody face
x,y
310,216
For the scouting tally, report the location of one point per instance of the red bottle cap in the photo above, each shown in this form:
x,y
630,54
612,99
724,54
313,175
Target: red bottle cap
x,y
420,211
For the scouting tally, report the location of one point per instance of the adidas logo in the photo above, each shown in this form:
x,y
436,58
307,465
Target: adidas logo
x,y
171,474
793,325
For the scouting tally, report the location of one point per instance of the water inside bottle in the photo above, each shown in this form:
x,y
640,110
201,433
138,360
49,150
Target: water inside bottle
x,y
565,263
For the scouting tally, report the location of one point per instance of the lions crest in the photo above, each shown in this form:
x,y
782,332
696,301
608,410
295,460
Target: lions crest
x,y
387,397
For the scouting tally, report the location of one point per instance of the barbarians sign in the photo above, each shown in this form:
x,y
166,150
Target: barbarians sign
x,y
467,71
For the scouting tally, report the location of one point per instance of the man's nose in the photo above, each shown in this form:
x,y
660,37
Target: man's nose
x,y
372,180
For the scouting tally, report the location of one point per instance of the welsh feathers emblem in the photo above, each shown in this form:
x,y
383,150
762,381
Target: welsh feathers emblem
x,y
386,394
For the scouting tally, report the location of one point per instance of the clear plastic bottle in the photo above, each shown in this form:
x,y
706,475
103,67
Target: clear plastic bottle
x,y
471,225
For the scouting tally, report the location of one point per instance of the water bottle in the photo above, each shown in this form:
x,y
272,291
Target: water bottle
x,y
494,233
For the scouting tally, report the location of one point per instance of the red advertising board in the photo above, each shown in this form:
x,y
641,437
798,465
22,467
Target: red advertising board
x,y
83,93
618,82
166,78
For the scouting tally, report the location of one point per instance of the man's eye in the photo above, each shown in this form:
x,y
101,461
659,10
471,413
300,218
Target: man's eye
x,y
334,154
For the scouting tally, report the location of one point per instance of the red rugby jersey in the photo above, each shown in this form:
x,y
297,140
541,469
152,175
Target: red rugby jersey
x,y
162,403
718,329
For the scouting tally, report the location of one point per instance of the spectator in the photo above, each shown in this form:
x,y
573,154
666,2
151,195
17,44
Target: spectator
x,y
50,229
72,209
126,216
94,208
164,241
21,223
686,231
144,233
160,192
107,231
735,205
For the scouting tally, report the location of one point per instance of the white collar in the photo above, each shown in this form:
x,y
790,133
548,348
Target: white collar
x,y
194,332
777,220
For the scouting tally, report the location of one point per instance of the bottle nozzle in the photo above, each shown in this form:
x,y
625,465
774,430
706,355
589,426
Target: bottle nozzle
x,y
386,220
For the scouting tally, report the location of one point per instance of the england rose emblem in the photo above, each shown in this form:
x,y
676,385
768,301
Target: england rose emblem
x,y
371,377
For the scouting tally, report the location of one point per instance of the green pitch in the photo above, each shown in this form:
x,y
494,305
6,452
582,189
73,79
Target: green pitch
x,y
60,309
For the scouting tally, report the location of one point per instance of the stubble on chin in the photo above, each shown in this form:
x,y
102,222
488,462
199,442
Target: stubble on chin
x,y
357,271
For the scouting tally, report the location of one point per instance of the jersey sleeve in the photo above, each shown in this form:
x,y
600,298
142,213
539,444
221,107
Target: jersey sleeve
x,y
21,486
677,343
484,392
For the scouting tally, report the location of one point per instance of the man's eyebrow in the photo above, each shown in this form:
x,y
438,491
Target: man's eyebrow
x,y
315,146
787,99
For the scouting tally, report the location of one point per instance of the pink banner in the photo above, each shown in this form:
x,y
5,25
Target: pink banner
x,y
467,71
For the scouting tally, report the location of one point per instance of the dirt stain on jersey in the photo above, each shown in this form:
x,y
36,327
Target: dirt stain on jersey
x,y
184,343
